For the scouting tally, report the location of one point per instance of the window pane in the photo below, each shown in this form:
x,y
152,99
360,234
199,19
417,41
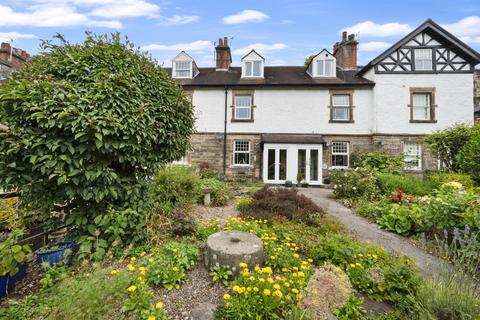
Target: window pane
x,y
320,67
282,166
256,68
412,156
328,68
340,113
302,163
243,101
340,154
242,158
342,100
242,146
421,106
182,65
182,73
314,165
242,113
339,160
248,69
339,147
271,164
423,59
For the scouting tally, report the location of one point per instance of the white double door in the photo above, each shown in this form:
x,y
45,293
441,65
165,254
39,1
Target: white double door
x,y
287,162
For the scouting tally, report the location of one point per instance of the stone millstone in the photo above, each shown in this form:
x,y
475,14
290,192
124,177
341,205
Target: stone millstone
x,y
229,248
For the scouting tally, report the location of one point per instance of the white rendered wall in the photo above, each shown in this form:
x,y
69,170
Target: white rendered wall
x,y
283,111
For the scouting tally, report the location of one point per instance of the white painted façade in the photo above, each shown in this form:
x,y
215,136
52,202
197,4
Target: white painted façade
x,y
283,123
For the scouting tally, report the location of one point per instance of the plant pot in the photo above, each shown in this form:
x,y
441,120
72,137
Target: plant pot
x,y
56,256
8,282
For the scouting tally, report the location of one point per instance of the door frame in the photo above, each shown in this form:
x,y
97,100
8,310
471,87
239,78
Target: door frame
x,y
292,161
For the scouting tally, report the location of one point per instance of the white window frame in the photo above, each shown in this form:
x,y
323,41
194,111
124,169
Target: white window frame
x,y
421,60
175,69
248,152
340,106
324,73
408,156
249,108
339,153
251,75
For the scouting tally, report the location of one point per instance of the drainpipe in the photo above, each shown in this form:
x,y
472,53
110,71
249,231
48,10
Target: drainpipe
x,y
225,136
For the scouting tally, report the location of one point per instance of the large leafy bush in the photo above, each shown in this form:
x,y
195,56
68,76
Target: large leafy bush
x,y
381,161
391,182
440,177
469,156
446,144
220,191
355,184
89,122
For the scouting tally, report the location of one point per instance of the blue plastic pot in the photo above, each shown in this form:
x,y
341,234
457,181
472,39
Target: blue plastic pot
x,y
8,282
55,256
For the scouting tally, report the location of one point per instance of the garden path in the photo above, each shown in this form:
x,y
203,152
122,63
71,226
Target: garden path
x,y
364,230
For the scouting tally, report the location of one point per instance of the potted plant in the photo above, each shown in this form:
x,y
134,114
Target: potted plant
x,y
55,252
13,258
299,179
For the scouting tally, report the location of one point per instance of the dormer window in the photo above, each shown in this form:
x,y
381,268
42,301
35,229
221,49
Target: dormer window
x,y
183,66
252,65
323,65
183,69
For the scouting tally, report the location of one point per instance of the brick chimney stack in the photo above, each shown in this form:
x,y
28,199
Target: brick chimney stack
x,y
15,56
346,51
224,57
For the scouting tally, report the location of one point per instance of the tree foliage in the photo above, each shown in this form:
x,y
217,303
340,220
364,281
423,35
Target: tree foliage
x,y
446,144
89,123
469,156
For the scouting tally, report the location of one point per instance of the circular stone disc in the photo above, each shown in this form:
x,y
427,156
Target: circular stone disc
x,y
229,248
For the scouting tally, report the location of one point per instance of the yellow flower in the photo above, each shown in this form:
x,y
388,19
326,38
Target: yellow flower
x,y
258,269
276,286
299,296
159,305
175,269
310,260
255,289
270,280
301,274
150,260
352,265
277,293
267,270
237,289
261,280
273,257
295,255
266,292
252,278
152,318
287,284
284,270
143,253
245,272
131,267
243,265
141,268
294,290
226,296
133,259
132,288
113,272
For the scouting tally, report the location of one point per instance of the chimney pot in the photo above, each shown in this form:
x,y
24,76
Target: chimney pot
x,y
225,41
344,36
351,37
220,42
223,55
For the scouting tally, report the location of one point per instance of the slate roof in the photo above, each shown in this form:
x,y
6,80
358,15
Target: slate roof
x,y
273,76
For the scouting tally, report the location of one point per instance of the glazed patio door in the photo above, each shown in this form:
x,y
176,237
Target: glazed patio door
x,y
276,164
308,165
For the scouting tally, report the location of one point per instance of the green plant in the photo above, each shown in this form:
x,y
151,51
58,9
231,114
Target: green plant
x,y
220,274
355,184
108,233
52,275
269,203
12,253
8,212
240,203
441,177
89,126
392,182
381,161
351,310
207,228
175,187
220,193
446,144
469,155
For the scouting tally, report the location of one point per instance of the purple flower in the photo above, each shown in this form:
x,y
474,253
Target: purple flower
x,y
445,234
467,229
456,233
461,241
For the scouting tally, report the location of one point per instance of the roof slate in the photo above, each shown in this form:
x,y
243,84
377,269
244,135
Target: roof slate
x,y
273,76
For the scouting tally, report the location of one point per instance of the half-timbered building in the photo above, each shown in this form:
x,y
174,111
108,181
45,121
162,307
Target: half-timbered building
x,y
280,123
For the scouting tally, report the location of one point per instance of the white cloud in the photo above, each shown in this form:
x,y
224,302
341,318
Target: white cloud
x,y
471,40
199,45
260,48
124,9
245,16
51,16
374,46
468,26
179,20
9,36
372,29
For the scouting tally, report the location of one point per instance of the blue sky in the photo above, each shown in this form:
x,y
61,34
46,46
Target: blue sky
x,y
284,31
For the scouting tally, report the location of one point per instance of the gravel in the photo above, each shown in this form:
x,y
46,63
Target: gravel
x,y
203,213
199,289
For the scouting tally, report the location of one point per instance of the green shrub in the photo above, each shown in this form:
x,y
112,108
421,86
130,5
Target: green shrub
x,y
355,184
8,212
381,161
240,203
410,185
469,156
446,144
220,191
175,187
269,203
440,177
12,254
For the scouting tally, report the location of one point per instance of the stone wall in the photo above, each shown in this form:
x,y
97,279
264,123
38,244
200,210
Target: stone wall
x,y
207,149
